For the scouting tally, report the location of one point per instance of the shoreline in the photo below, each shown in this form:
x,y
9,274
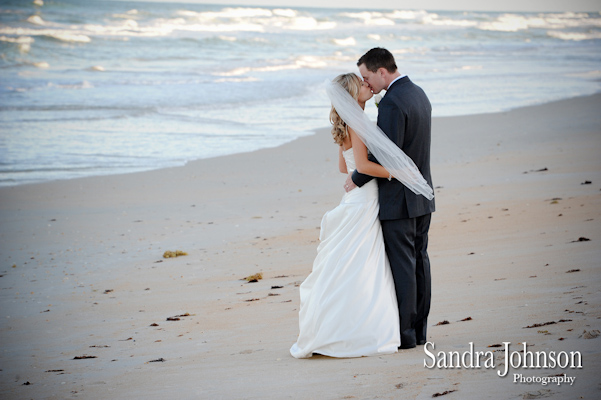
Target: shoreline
x,y
314,132
505,244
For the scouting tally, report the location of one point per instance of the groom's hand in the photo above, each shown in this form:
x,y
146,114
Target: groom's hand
x,y
349,184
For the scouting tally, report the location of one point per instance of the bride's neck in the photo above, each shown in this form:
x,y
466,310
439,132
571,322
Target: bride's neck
x,y
361,104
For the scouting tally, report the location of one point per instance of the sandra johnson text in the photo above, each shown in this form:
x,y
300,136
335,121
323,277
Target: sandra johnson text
x,y
523,358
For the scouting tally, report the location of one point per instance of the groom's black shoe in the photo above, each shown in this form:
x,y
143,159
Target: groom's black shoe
x,y
421,342
407,338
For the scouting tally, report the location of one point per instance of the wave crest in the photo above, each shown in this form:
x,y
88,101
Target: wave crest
x,y
574,36
514,22
36,20
69,37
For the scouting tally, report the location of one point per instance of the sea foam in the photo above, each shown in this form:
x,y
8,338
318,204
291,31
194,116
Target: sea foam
x,y
141,85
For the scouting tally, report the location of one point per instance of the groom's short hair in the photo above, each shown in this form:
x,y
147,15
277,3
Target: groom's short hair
x,y
378,58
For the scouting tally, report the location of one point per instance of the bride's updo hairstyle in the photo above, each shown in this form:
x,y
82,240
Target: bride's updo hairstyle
x,y
352,84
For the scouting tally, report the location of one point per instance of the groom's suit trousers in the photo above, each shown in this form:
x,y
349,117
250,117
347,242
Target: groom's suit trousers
x,y
406,242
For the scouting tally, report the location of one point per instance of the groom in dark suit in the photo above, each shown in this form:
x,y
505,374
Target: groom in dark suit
x,y
404,114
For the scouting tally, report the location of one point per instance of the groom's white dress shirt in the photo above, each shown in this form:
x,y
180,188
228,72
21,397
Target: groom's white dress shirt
x,y
402,76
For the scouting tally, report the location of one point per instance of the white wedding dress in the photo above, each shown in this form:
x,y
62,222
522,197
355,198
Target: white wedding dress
x,y
348,303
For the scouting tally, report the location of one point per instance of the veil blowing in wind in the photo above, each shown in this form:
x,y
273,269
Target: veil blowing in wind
x,y
388,154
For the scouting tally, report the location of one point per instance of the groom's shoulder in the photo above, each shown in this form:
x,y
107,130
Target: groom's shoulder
x,y
406,90
399,86
398,92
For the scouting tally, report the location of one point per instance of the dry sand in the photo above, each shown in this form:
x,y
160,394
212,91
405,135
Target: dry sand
x,y
82,272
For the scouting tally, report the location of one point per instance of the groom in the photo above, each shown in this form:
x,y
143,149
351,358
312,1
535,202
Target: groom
x,y
404,114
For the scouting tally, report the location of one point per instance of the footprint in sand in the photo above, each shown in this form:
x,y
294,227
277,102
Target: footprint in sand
x,y
539,394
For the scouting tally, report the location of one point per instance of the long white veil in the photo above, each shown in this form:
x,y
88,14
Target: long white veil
x,y
388,154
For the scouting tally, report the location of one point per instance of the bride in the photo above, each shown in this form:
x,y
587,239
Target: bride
x,y
348,302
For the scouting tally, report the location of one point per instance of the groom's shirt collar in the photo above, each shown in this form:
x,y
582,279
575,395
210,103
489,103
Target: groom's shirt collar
x,y
391,83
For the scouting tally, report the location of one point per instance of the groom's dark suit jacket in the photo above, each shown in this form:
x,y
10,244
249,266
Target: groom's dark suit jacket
x,y
405,115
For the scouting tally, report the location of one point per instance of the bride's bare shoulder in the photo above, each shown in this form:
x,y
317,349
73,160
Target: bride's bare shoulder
x,y
347,144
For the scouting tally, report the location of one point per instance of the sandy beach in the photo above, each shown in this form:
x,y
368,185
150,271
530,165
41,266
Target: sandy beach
x,y
86,293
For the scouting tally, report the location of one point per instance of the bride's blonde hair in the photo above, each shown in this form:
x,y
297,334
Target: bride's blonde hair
x,y
352,84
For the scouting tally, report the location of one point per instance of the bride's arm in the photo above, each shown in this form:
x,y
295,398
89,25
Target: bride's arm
x,y
364,166
341,162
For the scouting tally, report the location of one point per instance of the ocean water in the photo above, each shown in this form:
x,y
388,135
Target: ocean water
x,y
104,87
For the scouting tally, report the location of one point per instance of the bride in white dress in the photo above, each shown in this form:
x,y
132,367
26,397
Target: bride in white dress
x,y
348,303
